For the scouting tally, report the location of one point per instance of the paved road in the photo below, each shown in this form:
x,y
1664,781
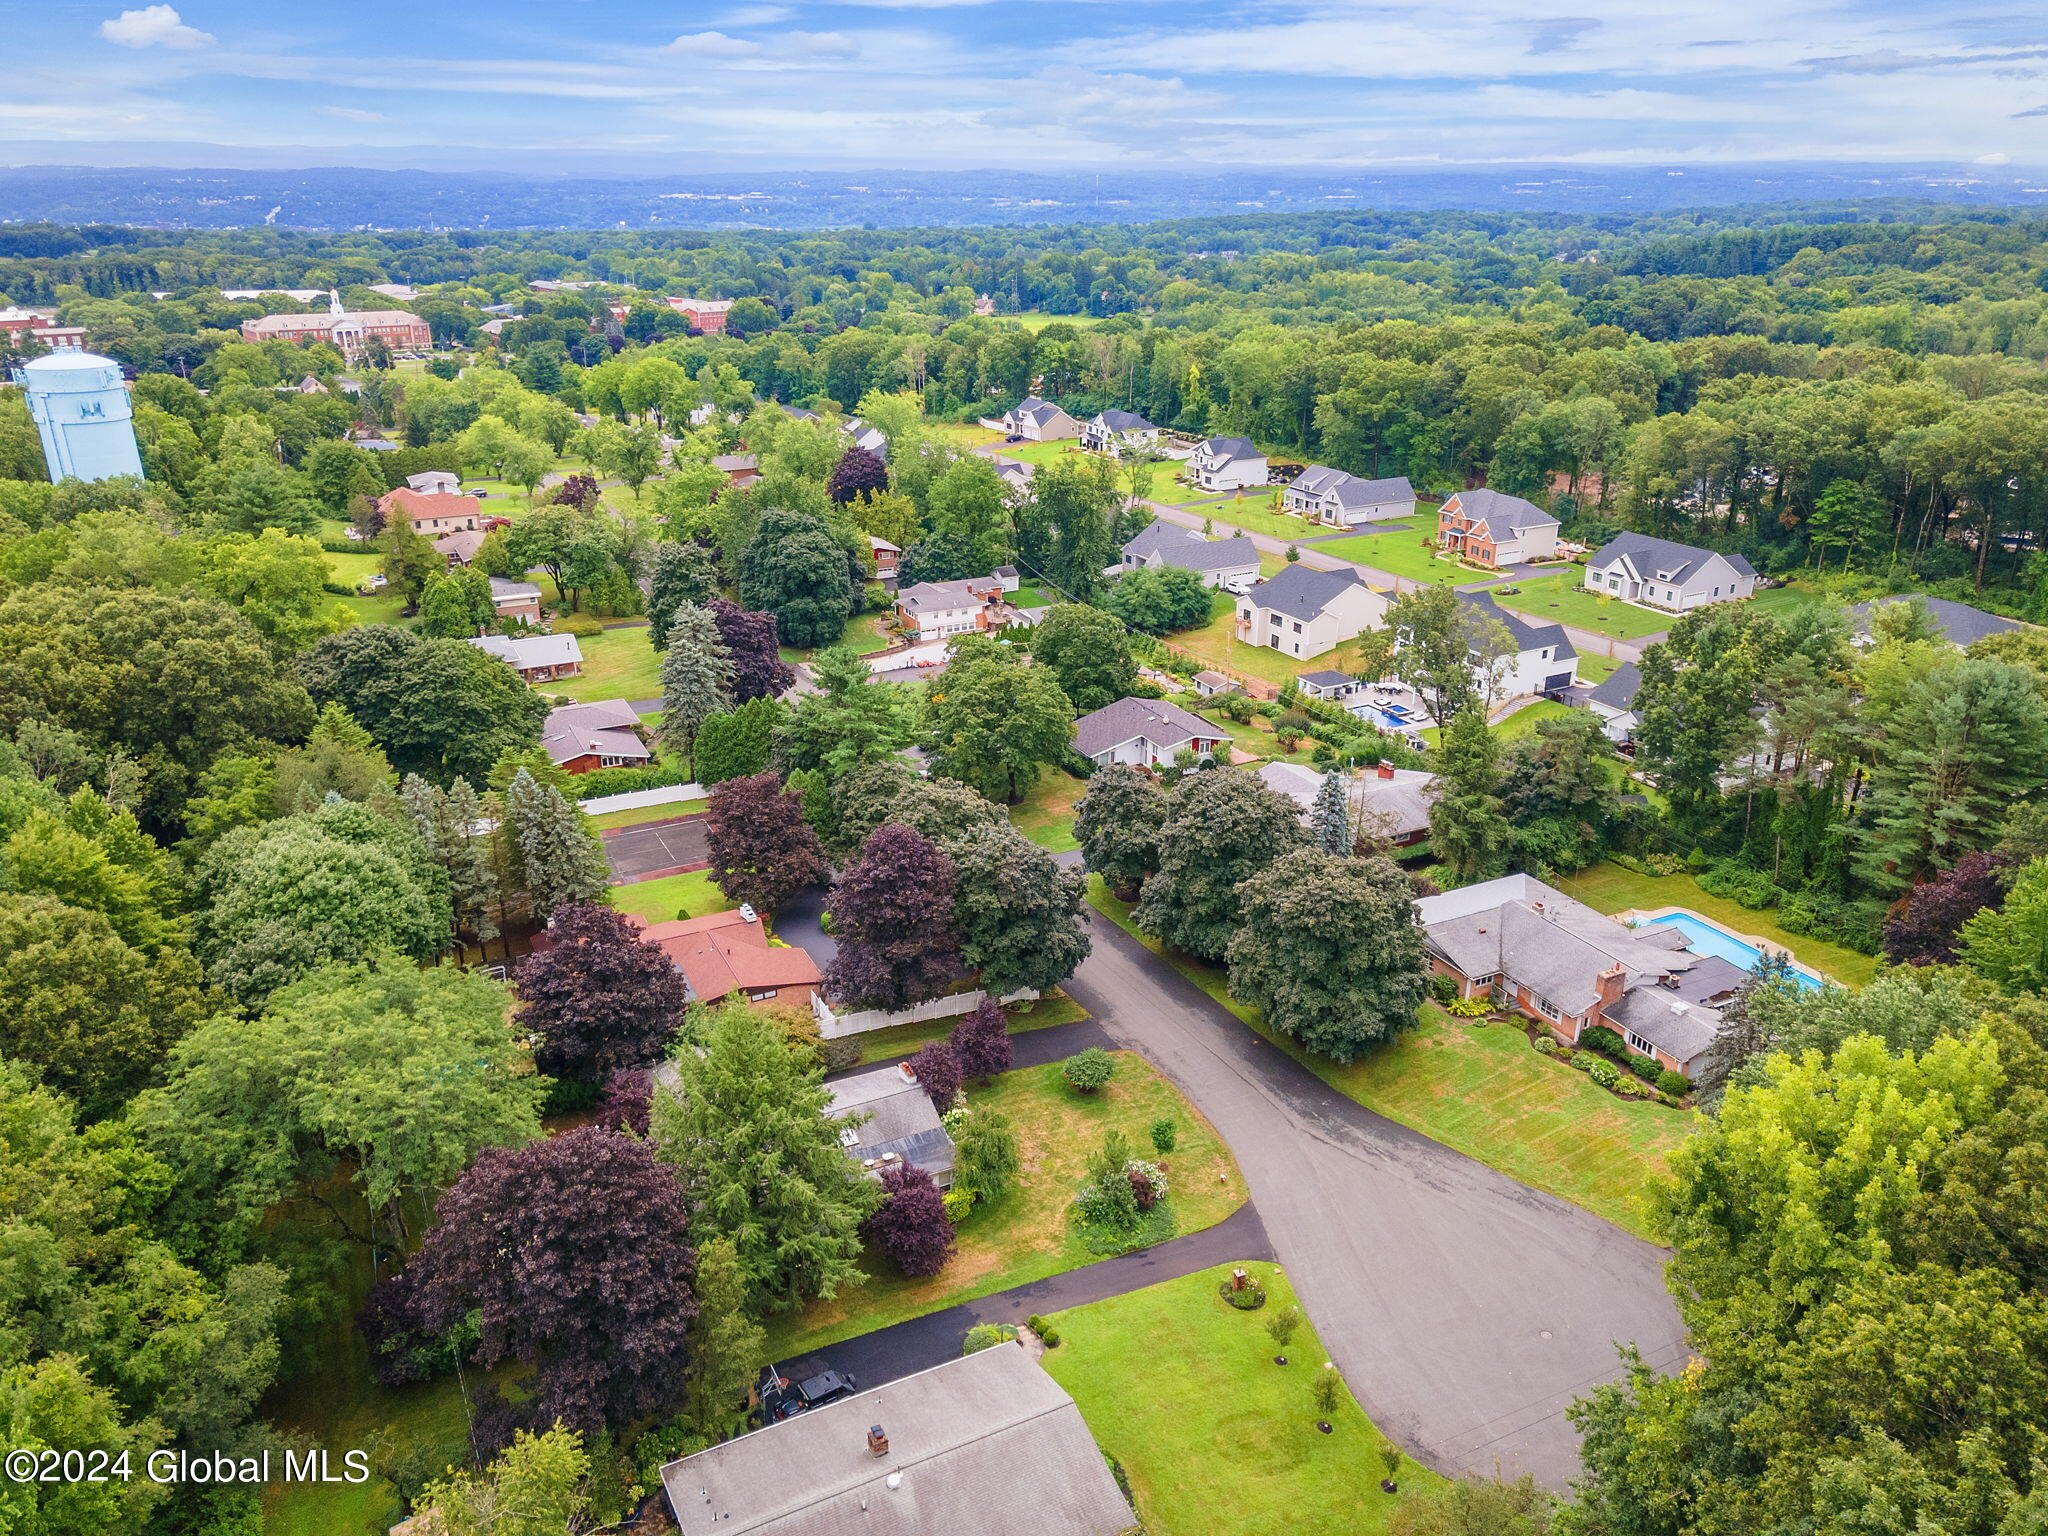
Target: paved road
x,y
657,848
887,1354
1465,1309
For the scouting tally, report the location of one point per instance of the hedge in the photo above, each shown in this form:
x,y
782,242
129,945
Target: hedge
x,y
622,781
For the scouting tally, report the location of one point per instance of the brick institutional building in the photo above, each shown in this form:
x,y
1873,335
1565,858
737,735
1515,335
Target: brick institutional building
x,y
349,330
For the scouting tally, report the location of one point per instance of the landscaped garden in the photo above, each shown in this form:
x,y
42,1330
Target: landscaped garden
x,y
1562,598
1026,1233
1217,1440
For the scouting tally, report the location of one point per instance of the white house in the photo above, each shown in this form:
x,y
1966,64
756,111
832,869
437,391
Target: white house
x,y
1656,573
1614,702
1144,732
1541,659
1039,421
931,610
867,436
1342,500
1226,464
1493,528
1305,612
1118,433
1219,562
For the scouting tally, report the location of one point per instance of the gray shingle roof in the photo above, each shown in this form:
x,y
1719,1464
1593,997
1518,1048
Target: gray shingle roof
x,y
1500,510
987,1444
1398,806
1125,421
1301,591
1327,679
608,727
1229,448
1031,408
530,651
1661,558
1679,1028
1185,547
902,1119
1527,636
1620,688
1347,490
1958,622
1166,726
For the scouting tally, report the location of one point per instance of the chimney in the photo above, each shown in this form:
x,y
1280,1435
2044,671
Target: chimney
x,y
1386,769
1607,987
878,1443
908,1075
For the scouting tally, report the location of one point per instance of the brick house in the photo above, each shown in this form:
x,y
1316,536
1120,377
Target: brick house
x,y
432,514
582,738
1490,528
727,952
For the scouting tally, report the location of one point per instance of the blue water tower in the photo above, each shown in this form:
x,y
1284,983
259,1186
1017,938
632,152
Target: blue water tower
x,y
83,414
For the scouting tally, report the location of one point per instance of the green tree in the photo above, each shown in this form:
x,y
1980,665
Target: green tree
x,y
1117,825
985,1156
995,722
1018,911
849,719
1329,951
762,1165
1077,499
682,573
727,1347
2009,943
738,742
338,758
1468,827
1329,821
1451,651
534,1488
1088,652
1220,830
559,858
795,567
696,677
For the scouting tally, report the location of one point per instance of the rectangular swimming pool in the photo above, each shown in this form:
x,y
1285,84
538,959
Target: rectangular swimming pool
x,y
1711,939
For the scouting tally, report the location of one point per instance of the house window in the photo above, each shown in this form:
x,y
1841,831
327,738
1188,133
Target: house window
x,y
1545,1006
1297,626
1637,1043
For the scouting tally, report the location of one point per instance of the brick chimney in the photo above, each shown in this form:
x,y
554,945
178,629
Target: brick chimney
x,y
1608,987
878,1443
1386,769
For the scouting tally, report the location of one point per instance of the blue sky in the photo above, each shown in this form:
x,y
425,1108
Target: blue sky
x,y
1053,84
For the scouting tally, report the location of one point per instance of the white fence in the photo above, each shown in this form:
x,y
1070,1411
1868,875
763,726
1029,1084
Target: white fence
x,y
833,1025
637,799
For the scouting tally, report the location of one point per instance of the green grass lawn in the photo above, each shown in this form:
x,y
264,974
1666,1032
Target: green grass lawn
x,y
903,1039
962,434
1523,722
1404,553
1596,669
1216,1439
1024,1235
868,633
1046,815
1253,512
1482,1090
1562,598
1780,601
648,813
1029,596
617,664
670,897
1611,888
1216,644
1038,319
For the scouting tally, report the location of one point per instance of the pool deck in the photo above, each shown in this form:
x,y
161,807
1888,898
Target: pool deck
x,y
1755,941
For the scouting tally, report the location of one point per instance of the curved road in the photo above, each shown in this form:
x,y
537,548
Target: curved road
x,y
1466,1310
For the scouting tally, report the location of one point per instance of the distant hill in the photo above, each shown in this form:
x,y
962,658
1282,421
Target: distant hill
x,y
346,198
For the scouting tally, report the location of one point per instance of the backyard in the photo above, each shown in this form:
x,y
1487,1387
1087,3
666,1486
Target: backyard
x,y
1480,1089
646,813
1024,1235
1251,1462
1216,644
1562,599
671,897
617,664
1046,815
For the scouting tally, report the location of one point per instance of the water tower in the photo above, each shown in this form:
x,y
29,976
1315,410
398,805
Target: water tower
x,y
83,414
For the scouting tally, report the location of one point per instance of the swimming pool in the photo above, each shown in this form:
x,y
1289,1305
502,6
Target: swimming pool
x,y
1711,939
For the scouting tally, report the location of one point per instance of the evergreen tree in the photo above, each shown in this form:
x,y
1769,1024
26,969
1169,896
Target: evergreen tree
x,y
1330,819
560,858
1117,824
762,850
682,573
892,913
1468,828
448,822
738,742
810,787
696,678
1018,911
849,719
760,1163
727,1347
2010,945
1221,828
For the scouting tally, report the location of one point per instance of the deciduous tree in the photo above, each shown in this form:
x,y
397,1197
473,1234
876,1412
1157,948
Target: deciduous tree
x,y
892,913
758,670
1018,911
1088,652
762,850
1220,829
981,1041
1117,824
911,1225
995,722
598,1000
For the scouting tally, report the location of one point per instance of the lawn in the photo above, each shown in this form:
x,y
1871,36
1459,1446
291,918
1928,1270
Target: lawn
x,y
617,664
1611,888
1596,669
1216,1439
903,1039
647,813
1481,1090
670,897
1029,596
1523,722
1046,815
1038,319
1404,553
1250,512
1024,1235
1563,599
1780,601
962,434
1216,644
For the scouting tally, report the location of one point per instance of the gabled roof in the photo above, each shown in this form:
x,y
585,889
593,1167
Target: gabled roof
x,y
418,504
1031,408
1347,490
1301,591
461,544
940,596
1229,448
1680,1028
503,591
1619,690
901,1118
529,651
722,952
1527,636
1661,559
1123,421
1400,804
1959,623
1497,509
1185,547
1166,726
606,728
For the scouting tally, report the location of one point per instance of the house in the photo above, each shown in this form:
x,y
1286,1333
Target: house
x,y
1542,659
723,953
516,600
1328,685
582,738
1144,732
887,557
18,324
1614,701
310,386
1656,573
897,1123
1495,529
1958,623
1015,474
1219,562
433,514
866,436
1305,611
1208,684
1388,803
1226,464
434,482
1039,421
984,305
460,547
738,468
987,1443
536,658
932,610
1342,500
1534,949
1118,433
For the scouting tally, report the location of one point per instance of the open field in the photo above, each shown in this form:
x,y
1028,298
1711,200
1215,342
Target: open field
x,y
1038,319
1251,1462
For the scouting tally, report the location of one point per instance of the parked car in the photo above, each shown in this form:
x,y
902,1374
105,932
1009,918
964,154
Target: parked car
x,y
1504,591
1238,588
809,1384
1014,437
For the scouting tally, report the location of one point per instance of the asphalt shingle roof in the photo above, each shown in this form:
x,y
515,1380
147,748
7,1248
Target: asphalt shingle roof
x,y
1347,490
1497,509
1527,636
1184,547
1165,725
1959,623
1620,688
1661,558
1301,591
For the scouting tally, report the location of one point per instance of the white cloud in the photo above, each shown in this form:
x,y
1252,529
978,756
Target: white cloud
x,y
154,26
755,15
820,45
353,114
713,45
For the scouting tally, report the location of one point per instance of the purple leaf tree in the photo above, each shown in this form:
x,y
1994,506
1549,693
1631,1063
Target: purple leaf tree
x,y
937,1071
892,913
981,1041
599,999
762,849
758,670
911,1225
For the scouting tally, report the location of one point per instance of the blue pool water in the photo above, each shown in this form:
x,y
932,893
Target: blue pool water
x,y
1707,939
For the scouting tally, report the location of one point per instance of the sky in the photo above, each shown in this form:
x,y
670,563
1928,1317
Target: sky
x,y
1048,84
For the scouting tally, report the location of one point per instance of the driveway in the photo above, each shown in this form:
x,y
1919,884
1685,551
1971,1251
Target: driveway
x,y
657,848
1466,1310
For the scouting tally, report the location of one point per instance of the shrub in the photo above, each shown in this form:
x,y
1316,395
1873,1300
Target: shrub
x,y
1643,1067
1752,888
986,1336
1676,1084
1470,1008
840,1053
1049,1337
1584,1061
1250,1299
1602,1039
1148,1182
1603,1073
1443,989
1036,1324
1088,1070
581,625
1165,1132
1629,1088
1550,1047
